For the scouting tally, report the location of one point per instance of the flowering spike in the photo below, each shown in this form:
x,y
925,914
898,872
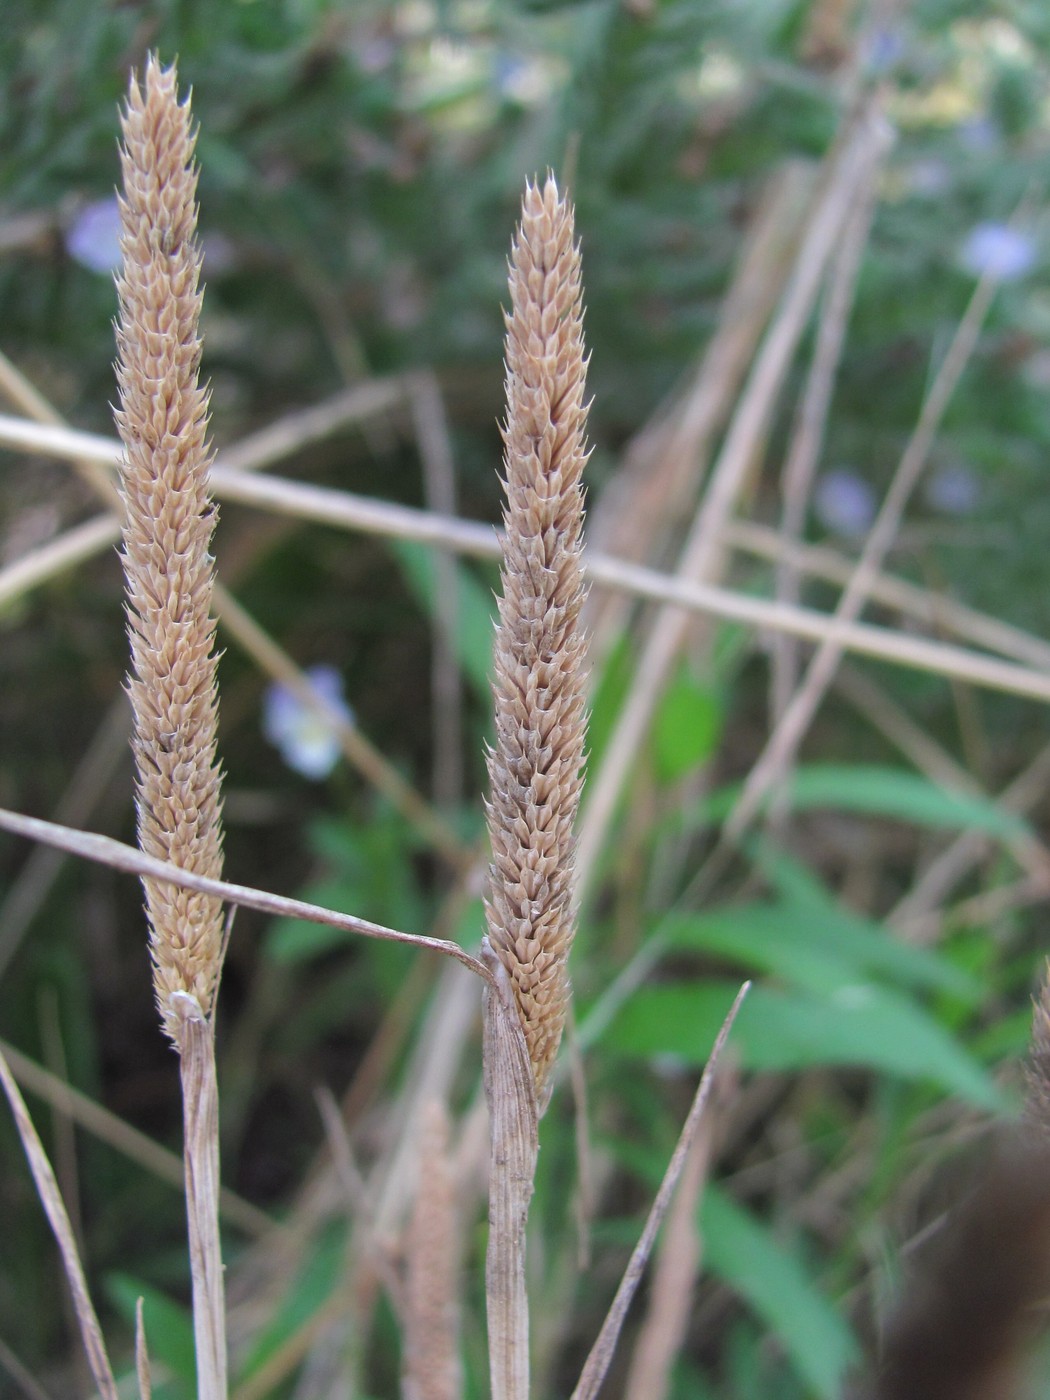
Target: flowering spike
x,y
168,524
535,766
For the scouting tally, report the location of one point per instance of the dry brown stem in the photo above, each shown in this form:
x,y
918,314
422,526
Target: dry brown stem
x,y
931,608
432,1366
535,767
784,741
1037,1099
122,1137
103,849
142,1366
852,163
342,510
51,1200
807,439
601,1354
675,1272
200,1113
514,1145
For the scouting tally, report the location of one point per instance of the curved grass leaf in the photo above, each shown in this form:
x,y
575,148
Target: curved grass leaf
x,y
687,726
818,947
169,1327
309,1292
475,608
883,792
856,1024
612,683
777,1286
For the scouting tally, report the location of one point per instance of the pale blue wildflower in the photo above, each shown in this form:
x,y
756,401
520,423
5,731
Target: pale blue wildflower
x,y
882,50
93,239
308,743
997,249
928,178
979,135
953,490
844,502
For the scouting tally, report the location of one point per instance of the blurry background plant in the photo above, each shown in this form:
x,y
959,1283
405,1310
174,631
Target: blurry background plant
x,y
361,167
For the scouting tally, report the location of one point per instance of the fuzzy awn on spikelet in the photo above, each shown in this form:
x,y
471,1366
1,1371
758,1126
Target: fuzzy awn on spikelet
x,y
535,767
169,519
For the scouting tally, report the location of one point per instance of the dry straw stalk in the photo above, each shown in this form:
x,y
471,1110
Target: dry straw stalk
x,y
535,766
431,1310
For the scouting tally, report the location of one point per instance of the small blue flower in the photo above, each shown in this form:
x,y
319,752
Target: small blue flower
x,y
979,135
928,178
953,490
883,50
93,239
308,743
522,80
844,502
1004,252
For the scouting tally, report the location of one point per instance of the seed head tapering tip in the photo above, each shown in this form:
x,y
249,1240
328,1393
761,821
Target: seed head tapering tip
x,y
168,522
535,768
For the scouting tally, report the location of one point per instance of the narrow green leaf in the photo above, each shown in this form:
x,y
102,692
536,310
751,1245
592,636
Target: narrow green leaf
x,y
306,1295
884,792
776,1284
169,1326
365,866
687,726
475,606
815,946
858,1024
611,685
297,940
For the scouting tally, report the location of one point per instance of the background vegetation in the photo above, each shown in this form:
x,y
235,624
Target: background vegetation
x,y
361,170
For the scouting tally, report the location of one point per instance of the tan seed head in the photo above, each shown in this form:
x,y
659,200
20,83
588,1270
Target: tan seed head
x,y
535,767
169,519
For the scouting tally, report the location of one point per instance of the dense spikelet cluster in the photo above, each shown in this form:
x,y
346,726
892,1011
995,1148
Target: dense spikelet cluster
x,y
168,526
535,766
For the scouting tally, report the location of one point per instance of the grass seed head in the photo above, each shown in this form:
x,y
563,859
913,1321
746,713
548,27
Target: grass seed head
x,y
535,767
168,524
